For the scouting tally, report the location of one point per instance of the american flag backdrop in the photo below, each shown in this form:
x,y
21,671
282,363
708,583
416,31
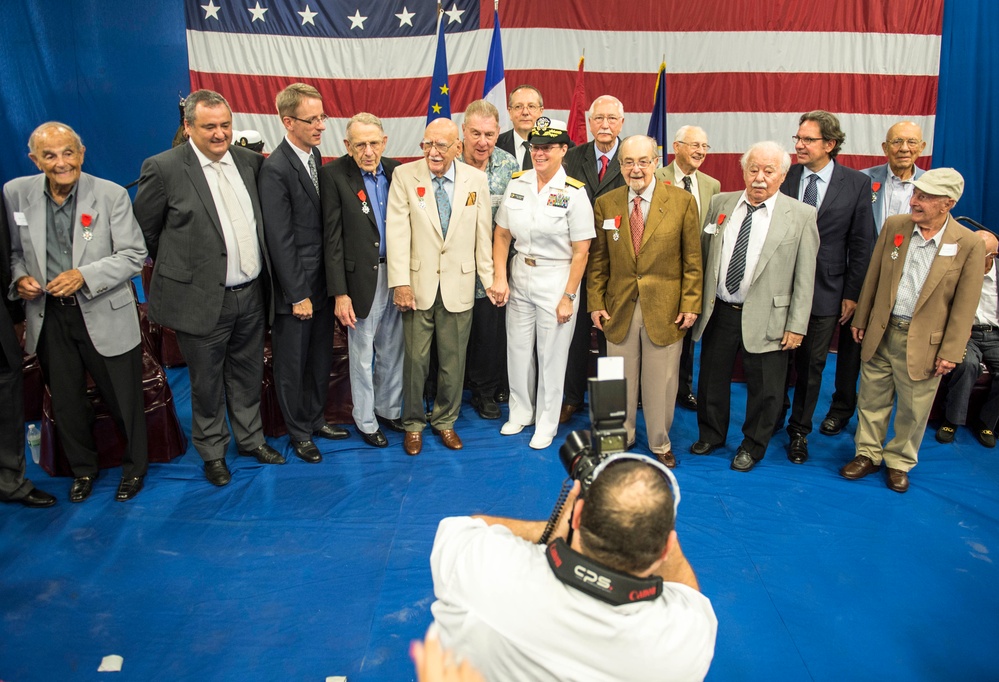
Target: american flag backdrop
x,y
744,71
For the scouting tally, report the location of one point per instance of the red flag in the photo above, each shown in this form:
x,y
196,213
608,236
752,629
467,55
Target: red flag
x,y
577,110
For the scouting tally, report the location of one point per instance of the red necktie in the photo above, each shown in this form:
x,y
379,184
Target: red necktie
x,y
603,167
637,225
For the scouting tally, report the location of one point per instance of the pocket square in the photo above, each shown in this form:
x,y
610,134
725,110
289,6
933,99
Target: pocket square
x,y
471,199
711,229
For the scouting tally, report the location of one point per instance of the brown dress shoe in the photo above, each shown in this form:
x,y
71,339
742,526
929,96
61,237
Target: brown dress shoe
x,y
898,480
566,414
412,442
450,438
667,459
858,468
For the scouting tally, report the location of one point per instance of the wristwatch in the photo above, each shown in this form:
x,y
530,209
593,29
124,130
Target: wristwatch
x,y
571,297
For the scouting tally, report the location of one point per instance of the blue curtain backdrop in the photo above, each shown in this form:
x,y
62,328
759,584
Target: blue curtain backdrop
x,y
114,69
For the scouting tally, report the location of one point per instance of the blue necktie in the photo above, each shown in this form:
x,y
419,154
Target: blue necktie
x,y
737,264
811,196
443,204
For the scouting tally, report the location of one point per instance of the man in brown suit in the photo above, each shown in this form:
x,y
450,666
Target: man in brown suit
x,y
646,257
913,320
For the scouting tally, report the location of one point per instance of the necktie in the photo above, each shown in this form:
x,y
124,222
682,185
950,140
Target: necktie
x,y
443,204
249,261
687,185
637,222
312,172
604,161
528,161
737,264
811,196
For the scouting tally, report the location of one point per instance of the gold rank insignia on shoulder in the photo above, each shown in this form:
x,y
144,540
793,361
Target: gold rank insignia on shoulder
x,y
517,174
573,182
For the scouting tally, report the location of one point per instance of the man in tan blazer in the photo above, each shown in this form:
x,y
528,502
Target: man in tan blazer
x,y
662,277
759,251
438,236
690,146
915,311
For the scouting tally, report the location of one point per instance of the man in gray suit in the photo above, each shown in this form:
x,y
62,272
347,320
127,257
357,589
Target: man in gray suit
x,y
690,146
198,208
74,247
759,249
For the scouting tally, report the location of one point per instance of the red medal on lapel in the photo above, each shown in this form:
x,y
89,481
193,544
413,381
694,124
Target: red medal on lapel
x,y
721,219
364,202
898,243
86,220
420,191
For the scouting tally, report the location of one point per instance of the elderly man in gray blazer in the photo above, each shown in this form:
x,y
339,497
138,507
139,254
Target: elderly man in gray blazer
x,y
74,247
759,249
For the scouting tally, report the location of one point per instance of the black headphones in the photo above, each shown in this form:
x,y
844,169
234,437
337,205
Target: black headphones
x,y
595,579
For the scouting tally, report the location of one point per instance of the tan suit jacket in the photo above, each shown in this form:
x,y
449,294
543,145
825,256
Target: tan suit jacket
x,y
707,186
417,253
945,310
667,274
780,295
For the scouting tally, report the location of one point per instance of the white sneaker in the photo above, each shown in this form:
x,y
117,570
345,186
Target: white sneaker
x,y
510,429
540,442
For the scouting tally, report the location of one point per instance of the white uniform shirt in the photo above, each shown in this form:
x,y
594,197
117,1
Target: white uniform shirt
x,y
544,224
500,606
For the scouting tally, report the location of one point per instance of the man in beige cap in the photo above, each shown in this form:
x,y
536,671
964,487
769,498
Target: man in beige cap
x,y
918,304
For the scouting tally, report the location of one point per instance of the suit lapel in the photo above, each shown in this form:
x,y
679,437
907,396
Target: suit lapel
x,y
938,268
356,182
589,168
704,194
780,223
460,199
715,254
197,176
657,209
250,180
85,204
429,199
37,223
835,186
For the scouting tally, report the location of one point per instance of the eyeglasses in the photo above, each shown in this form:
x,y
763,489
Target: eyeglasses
x,y
530,107
314,121
543,148
601,118
427,145
696,146
806,140
641,163
361,146
898,142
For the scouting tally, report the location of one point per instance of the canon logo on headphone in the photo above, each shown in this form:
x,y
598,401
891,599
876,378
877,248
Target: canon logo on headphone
x,y
638,595
588,576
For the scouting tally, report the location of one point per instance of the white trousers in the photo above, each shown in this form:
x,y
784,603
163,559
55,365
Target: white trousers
x,y
375,348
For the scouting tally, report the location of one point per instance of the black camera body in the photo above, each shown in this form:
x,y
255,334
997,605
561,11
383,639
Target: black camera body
x,y
583,450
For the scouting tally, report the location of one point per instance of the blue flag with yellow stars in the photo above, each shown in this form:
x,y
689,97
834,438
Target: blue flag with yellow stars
x,y
440,95
657,122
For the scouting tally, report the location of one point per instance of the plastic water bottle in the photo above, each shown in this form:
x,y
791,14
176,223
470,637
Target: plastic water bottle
x,y
35,443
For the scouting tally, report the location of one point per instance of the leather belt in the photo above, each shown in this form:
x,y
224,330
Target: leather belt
x,y
900,322
240,287
543,262
381,260
733,306
68,301
984,328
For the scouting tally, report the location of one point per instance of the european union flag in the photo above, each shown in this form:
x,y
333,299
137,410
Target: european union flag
x,y
440,95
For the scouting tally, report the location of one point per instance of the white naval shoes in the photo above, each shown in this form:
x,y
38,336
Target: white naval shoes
x,y
539,442
511,428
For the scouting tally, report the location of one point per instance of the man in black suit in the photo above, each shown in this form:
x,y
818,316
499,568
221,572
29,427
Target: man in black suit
x,y
524,107
14,487
846,238
355,195
302,333
198,207
596,164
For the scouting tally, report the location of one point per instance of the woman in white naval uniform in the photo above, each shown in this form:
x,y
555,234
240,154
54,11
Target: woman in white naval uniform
x,y
549,216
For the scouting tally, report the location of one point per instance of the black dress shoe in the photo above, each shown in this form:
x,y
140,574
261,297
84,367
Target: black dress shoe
x,y
985,437
332,432
830,426
376,439
703,447
264,454
307,451
37,499
946,432
486,407
798,452
503,395
743,461
687,402
128,488
391,424
217,472
81,488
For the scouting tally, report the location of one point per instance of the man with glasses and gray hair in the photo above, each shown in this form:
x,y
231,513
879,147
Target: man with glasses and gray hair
x,y
355,191
644,285
439,236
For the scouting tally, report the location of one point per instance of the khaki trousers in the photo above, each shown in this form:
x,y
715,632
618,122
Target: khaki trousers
x,y
659,369
882,379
